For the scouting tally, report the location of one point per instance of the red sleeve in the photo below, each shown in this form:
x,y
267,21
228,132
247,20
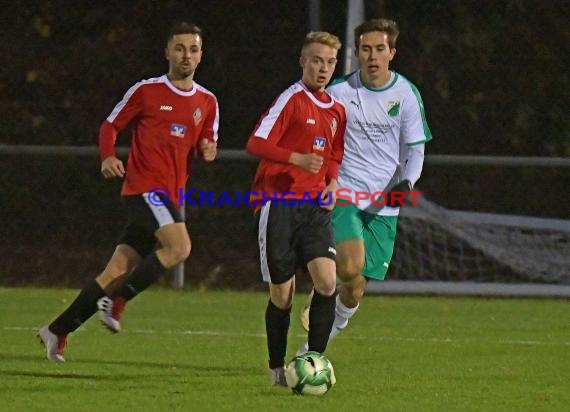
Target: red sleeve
x,y
337,151
212,122
125,111
211,125
264,149
264,141
107,137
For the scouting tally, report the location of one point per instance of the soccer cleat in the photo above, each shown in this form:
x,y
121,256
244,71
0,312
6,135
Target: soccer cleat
x,y
110,311
53,343
277,377
304,316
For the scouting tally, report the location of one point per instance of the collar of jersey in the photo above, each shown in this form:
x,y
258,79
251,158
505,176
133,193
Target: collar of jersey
x,y
381,89
175,89
314,99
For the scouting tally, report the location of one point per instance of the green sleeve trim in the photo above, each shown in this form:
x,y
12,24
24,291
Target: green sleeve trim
x,y
427,131
418,142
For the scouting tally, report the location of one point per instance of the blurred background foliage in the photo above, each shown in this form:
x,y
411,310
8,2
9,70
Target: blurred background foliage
x,y
493,75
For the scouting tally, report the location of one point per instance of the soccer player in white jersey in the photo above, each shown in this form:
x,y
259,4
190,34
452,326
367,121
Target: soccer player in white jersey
x,y
384,151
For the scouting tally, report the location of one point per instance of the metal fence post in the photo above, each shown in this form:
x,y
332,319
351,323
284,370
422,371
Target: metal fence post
x,y
178,271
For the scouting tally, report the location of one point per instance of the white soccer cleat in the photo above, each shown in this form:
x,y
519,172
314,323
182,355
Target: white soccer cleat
x,y
54,344
277,377
110,311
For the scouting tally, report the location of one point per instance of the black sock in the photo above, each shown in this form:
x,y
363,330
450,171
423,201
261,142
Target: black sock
x,y
276,325
321,318
81,309
144,275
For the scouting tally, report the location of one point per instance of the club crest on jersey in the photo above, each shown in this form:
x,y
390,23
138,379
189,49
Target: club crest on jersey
x,y
177,130
393,108
319,143
197,116
334,124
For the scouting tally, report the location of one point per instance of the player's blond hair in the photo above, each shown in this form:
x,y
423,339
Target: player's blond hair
x,y
321,37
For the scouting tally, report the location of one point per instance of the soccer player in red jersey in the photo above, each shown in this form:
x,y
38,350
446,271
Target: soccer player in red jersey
x,y
300,143
171,116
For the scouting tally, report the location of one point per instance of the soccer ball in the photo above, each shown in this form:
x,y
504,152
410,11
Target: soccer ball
x,y
310,374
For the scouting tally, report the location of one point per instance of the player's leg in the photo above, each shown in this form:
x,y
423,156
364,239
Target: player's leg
x,y
318,250
360,261
148,223
348,229
321,313
277,261
54,335
277,320
174,248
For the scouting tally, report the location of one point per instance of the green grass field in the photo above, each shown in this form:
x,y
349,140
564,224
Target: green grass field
x,y
205,351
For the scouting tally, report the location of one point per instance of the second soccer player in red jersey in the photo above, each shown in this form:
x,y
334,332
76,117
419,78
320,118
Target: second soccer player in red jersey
x,y
171,117
300,143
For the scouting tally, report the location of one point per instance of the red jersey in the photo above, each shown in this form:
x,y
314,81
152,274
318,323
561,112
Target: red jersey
x,y
168,124
298,121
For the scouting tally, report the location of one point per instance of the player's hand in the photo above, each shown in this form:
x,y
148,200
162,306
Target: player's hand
x,y
209,149
397,195
112,167
309,162
328,195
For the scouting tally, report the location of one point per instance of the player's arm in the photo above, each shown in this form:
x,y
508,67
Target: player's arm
x,y
111,165
208,143
328,196
126,110
414,163
268,150
415,133
264,141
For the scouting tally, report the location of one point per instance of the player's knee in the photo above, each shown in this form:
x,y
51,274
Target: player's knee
x,y
349,270
282,295
325,287
177,254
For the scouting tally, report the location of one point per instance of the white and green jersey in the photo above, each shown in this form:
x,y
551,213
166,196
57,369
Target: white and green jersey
x,y
383,126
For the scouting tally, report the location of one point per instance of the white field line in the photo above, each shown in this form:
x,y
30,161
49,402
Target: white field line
x,y
343,336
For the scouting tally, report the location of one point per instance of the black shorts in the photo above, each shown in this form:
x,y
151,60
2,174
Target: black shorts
x,y
290,236
144,216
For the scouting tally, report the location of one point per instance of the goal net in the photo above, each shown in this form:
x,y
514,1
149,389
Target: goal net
x,y
434,243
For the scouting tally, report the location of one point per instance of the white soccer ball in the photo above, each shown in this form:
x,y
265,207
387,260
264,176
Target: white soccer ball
x,y
310,374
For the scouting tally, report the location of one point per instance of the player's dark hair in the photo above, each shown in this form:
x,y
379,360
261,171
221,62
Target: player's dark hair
x,y
390,27
183,27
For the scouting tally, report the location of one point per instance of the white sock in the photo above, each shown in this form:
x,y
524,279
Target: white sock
x,y
342,315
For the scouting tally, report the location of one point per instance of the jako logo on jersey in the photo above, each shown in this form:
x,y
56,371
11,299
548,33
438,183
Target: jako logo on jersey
x,y
310,121
354,103
166,108
393,108
319,143
197,116
334,124
177,130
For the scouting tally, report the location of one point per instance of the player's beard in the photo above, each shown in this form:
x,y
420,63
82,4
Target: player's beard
x,y
183,72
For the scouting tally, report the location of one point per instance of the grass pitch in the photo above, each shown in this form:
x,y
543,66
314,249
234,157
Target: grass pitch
x,y
205,351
